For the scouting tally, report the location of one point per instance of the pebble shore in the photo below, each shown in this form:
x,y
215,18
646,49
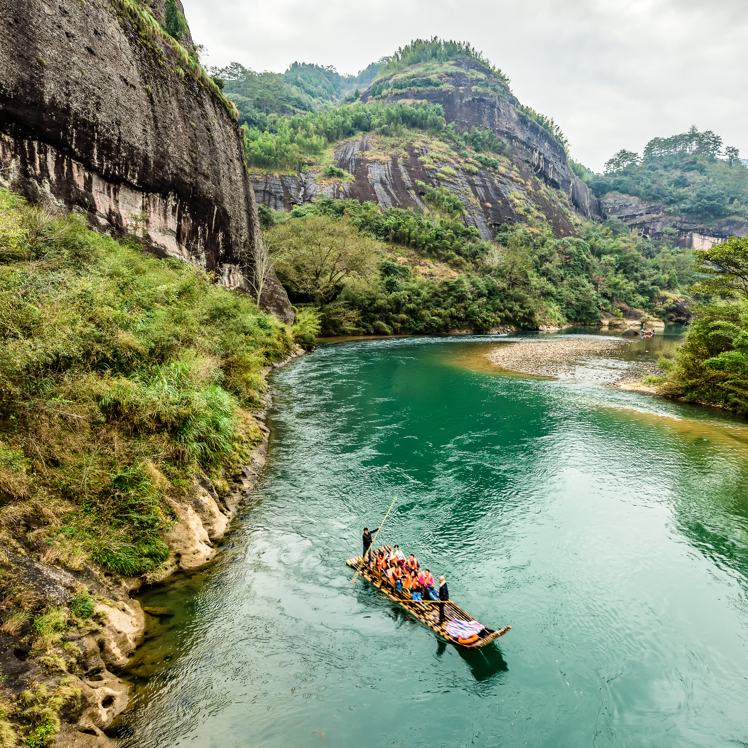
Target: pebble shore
x,y
562,359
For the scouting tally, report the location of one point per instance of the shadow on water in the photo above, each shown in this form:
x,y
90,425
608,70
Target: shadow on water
x,y
484,663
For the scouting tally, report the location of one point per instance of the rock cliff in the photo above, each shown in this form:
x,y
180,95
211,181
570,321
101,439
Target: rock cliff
x,y
534,175
652,219
102,112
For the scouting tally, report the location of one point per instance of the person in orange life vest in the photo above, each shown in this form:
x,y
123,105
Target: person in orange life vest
x,y
412,564
396,576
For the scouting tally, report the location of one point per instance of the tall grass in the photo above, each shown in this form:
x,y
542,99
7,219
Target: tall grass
x,y
120,376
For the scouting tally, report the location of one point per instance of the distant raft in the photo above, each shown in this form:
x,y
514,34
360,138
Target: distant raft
x,y
458,627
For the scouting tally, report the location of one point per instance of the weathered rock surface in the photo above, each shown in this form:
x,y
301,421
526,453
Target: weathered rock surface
x,y
100,113
651,219
534,175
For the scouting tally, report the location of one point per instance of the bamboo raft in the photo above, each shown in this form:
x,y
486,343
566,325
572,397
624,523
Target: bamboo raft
x,y
427,612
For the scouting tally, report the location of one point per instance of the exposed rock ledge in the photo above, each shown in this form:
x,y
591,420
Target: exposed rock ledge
x,y
107,646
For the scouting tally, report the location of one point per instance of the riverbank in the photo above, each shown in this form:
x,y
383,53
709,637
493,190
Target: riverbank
x,y
562,358
193,545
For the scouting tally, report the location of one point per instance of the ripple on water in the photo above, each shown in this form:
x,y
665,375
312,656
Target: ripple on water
x,y
598,523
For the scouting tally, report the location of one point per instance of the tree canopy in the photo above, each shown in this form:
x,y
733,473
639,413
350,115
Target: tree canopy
x,y
317,256
725,267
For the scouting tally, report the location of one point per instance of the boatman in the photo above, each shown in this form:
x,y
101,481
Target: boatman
x,y
368,539
443,598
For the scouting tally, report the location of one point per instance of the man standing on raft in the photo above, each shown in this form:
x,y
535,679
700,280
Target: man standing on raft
x,y
368,539
443,598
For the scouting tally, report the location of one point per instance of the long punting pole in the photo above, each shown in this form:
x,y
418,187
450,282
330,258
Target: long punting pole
x,y
373,540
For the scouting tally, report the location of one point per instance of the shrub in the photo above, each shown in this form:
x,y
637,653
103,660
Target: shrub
x,y
82,606
334,172
307,327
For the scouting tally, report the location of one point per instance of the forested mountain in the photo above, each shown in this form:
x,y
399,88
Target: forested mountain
x,y
302,88
461,202
688,184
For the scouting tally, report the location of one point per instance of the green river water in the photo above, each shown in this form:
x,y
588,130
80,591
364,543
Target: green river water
x,y
608,528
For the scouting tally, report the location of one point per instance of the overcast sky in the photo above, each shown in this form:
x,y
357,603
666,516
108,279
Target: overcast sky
x,y
612,73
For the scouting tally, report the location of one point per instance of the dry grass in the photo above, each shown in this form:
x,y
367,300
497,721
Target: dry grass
x,y
13,624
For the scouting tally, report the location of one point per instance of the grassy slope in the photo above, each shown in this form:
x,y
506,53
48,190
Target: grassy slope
x,y
121,377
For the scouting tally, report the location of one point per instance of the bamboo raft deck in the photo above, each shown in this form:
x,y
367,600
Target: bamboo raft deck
x,y
426,613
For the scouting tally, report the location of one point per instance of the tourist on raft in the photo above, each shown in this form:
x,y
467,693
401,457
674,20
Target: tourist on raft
x,y
399,555
426,580
368,540
412,564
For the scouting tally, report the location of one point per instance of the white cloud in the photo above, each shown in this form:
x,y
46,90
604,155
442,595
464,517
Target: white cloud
x,y
612,73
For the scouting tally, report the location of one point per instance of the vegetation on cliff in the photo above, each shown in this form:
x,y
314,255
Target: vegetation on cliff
x,y
121,376
525,278
690,173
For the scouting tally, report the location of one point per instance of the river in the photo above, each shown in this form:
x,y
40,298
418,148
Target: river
x,y
608,528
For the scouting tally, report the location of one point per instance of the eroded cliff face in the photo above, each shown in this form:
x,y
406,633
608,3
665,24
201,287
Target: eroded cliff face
x,y
533,176
652,219
100,112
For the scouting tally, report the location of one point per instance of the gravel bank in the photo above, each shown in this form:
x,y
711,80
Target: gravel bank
x,y
572,358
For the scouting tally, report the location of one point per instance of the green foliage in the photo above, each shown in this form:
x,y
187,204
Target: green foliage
x,y
621,160
423,306
712,364
294,138
120,376
82,606
317,255
443,201
302,88
705,143
183,398
488,161
49,627
685,172
441,237
725,267
39,713
333,172
174,22
307,327
439,50
526,274
581,170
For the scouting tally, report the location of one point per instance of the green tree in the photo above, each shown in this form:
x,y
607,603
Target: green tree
x,y
621,160
732,155
174,22
317,256
725,267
